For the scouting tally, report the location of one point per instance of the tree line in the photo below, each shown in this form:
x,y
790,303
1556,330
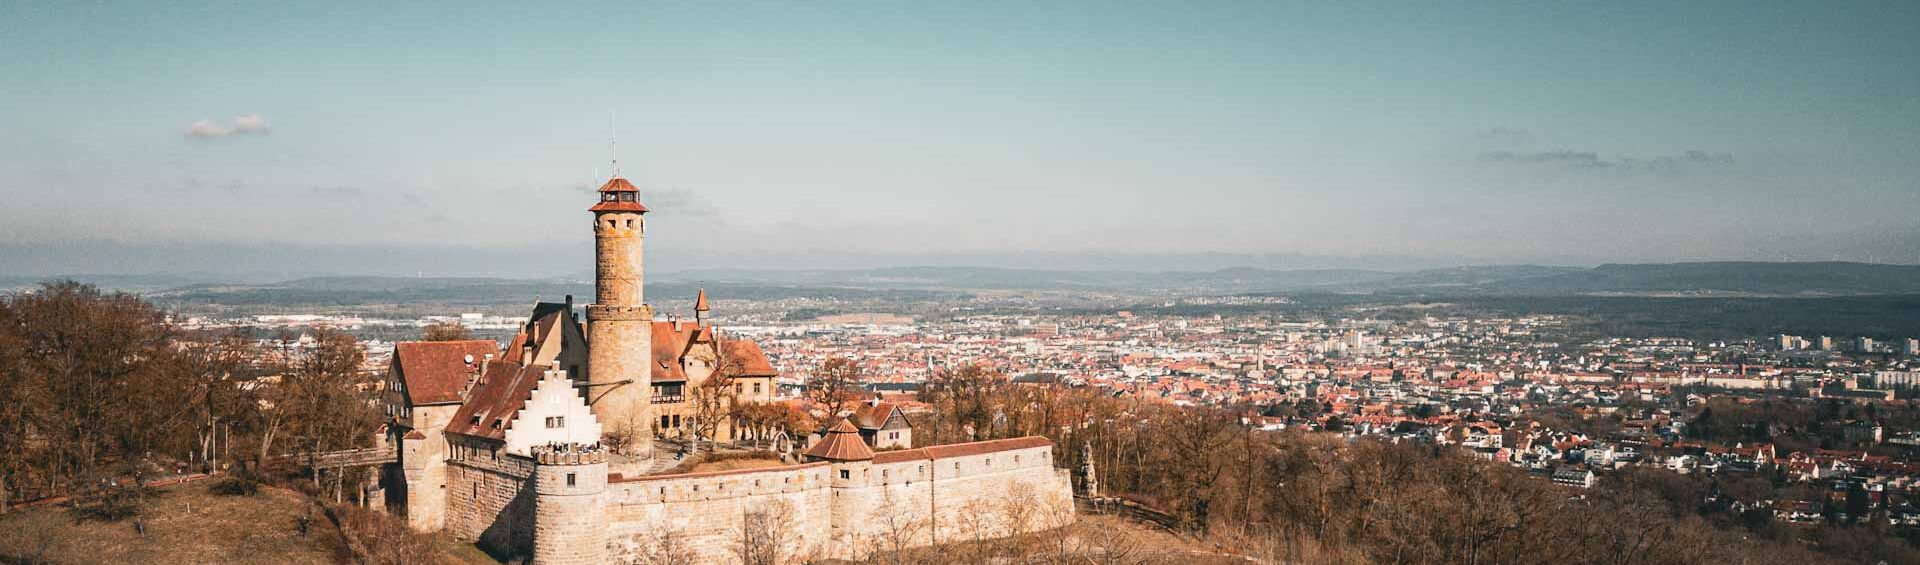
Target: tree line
x,y
1319,497
101,391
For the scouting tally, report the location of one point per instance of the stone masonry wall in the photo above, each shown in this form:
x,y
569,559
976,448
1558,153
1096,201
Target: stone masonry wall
x,y
620,368
876,507
980,496
490,498
570,523
706,510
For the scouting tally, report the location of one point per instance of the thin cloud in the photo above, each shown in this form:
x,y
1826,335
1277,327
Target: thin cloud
x,y
250,123
245,124
1593,160
1504,135
336,191
1568,158
677,201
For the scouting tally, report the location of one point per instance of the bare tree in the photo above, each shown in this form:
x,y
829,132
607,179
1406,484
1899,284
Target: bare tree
x,y
320,398
972,395
714,399
836,385
900,532
765,535
666,546
446,331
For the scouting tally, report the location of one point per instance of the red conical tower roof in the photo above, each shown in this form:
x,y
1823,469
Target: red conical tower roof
x,y
618,195
842,443
700,304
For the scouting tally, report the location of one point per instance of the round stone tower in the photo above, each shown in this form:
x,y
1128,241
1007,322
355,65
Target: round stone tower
x,y
569,505
619,323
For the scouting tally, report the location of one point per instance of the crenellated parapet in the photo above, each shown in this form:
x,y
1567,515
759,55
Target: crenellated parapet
x,y
569,504
569,454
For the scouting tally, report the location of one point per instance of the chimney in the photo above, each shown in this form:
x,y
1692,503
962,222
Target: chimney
x,y
480,378
676,321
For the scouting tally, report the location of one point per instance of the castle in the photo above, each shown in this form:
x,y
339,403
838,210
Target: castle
x,y
544,449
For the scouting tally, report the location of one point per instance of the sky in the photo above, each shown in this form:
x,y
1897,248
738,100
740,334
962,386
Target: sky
x,y
465,138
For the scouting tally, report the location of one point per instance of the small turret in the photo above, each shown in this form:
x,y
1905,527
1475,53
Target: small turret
x,y
569,504
842,443
700,309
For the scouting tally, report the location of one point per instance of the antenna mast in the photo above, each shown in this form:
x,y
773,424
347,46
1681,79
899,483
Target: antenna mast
x,y
613,143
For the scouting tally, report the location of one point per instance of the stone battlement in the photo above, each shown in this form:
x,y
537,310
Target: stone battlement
x,y
569,454
603,312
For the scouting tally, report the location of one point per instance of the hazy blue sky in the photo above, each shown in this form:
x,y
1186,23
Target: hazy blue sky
x,y
155,135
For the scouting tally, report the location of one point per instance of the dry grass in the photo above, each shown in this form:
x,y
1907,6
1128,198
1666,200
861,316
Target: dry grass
x,y
184,524
1091,539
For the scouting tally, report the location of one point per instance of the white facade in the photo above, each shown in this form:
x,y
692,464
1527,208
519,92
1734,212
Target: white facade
x,y
555,414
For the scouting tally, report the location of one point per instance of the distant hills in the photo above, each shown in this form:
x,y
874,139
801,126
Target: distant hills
x,y
1703,279
1707,279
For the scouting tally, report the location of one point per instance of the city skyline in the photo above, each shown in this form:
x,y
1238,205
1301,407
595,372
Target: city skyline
x,y
352,139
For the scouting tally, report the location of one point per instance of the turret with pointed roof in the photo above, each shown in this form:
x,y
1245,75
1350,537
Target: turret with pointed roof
x,y
842,443
700,309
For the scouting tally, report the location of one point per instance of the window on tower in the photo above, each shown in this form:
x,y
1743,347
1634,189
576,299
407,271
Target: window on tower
x,y
609,197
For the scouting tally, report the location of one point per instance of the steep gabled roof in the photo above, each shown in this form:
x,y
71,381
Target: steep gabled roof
x,y
753,361
874,416
491,407
436,372
671,344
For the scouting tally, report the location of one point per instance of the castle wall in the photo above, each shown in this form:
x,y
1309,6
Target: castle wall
x,y
707,511
952,498
489,497
903,502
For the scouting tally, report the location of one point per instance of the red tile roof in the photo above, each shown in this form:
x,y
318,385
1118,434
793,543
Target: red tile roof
x,y
961,449
670,344
618,207
436,372
490,409
616,185
873,416
619,478
842,443
753,361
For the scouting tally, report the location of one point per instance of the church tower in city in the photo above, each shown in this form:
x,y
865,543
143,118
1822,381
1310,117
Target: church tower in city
x,y
619,322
